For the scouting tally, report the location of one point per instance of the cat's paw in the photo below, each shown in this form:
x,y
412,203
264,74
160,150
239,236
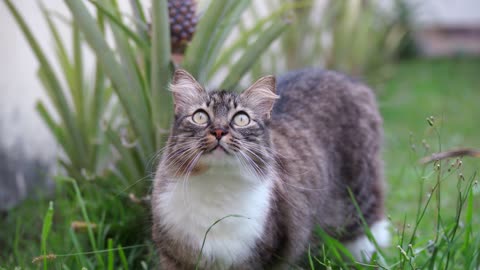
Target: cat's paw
x,y
362,249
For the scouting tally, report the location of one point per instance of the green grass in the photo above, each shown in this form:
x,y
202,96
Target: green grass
x,y
448,89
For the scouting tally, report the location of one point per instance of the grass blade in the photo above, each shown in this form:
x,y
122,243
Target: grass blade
x,y
98,100
136,112
231,16
129,63
76,156
195,57
61,50
140,20
310,261
123,258
206,234
366,227
57,131
51,82
242,41
81,258
251,56
160,70
116,20
132,171
47,226
110,254
78,91
83,209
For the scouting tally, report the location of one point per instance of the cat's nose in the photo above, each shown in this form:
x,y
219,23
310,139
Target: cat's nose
x,y
219,133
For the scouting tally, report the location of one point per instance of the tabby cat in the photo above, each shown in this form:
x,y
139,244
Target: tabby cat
x,y
261,169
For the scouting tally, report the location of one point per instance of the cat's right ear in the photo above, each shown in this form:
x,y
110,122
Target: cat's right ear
x,y
261,95
186,90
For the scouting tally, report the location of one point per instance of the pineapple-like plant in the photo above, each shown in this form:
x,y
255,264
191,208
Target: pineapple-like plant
x,y
183,20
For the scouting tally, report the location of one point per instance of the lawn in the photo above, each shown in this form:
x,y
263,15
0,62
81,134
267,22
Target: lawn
x,y
448,89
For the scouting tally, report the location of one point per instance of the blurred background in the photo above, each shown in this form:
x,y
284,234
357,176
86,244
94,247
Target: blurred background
x,y
437,28
422,57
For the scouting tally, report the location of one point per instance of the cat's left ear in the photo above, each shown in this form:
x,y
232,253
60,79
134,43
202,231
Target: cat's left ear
x,y
261,95
186,90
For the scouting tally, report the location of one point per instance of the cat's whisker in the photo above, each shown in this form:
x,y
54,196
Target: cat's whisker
x,y
183,158
249,146
281,179
184,155
275,160
253,166
177,153
179,148
249,169
190,167
260,159
184,180
125,189
284,197
244,163
169,144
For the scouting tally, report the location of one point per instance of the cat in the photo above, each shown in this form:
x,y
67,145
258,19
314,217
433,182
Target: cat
x,y
261,169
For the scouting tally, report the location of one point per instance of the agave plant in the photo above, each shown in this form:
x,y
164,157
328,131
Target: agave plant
x,y
354,36
126,106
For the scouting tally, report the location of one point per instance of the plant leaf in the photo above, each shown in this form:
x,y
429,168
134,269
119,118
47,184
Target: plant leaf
x,y
51,82
47,225
195,57
242,41
160,70
136,111
231,17
116,20
250,57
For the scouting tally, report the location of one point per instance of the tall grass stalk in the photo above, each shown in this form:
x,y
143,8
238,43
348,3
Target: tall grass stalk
x,y
47,226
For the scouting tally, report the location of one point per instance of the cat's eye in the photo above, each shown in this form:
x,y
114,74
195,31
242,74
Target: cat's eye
x,y
241,119
200,117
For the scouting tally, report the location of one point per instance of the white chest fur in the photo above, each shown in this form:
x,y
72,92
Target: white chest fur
x,y
190,206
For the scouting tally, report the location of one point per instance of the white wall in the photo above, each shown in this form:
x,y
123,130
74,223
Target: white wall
x,y
19,86
26,147
447,12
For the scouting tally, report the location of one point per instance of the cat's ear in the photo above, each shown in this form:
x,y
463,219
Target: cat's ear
x,y
186,90
261,95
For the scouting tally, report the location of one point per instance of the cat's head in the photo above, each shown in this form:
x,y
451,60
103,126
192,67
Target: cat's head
x,y
220,124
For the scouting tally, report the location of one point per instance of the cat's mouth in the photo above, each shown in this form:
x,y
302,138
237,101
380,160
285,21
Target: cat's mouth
x,y
218,149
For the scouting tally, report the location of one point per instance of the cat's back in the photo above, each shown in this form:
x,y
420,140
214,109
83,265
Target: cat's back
x,y
326,102
321,90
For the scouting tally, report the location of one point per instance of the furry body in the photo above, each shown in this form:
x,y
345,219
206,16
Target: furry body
x,y
322,138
